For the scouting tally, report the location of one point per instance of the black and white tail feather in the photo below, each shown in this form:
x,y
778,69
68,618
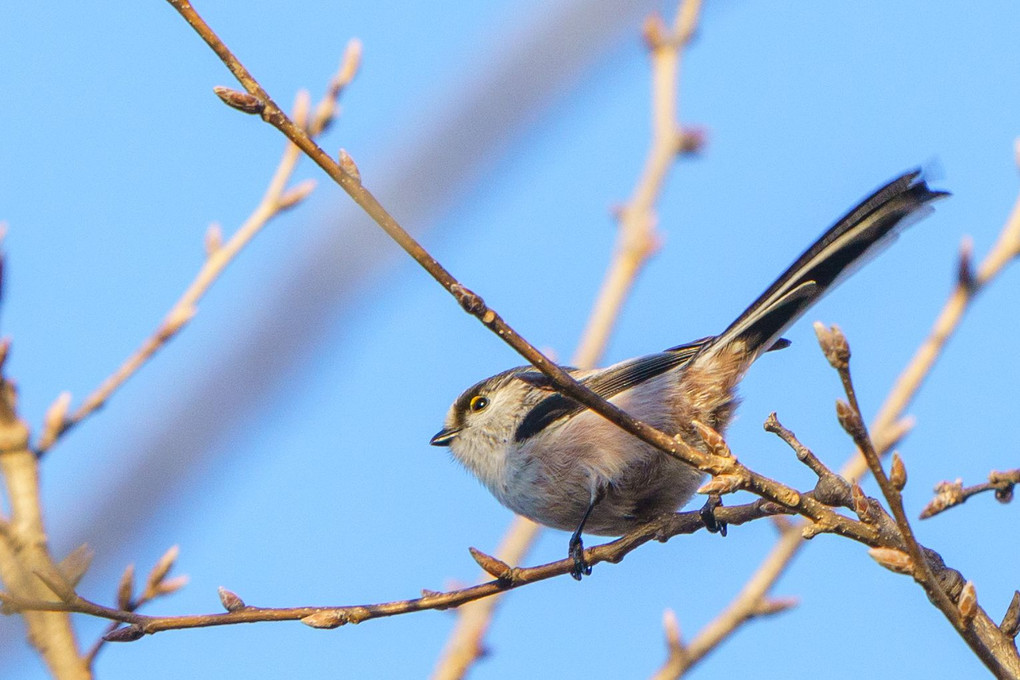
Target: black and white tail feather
x,y
847,245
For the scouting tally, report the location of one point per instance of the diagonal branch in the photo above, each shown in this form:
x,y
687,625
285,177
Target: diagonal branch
x,y
890,424
636,243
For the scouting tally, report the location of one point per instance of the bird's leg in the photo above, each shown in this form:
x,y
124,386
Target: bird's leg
x,y
708,518
576,547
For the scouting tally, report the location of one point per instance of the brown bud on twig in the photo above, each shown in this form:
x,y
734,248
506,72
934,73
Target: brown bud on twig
x,y
334,618
833,490
848,418
834,345
1010,625
125,634
298,193
721,484
230,601
159,572
690,140
898,472
74,566
242,101
862,506
950,581
326,619
349,167
491,565
893,560
654,31
169,586
769,606
470,302
126,588
714,441
55,420
947,494
968,603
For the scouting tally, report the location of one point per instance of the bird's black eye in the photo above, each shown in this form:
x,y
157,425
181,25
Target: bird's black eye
x,y
478,403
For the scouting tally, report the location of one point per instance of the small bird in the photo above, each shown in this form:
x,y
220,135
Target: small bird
x,y
547,457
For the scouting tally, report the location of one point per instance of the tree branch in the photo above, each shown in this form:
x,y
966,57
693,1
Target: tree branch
x,y
950,494
890,424
276,200
636,243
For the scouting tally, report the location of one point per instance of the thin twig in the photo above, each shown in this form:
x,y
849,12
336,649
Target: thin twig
x,y
635,245
637,239
24,550
835,346
157,585
277,199
890,424
950,494
1005,251
347,178
465,643
332,617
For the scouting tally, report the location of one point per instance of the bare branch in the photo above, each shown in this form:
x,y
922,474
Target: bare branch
x,y
951,494
890,424
331,617
636,243
219,255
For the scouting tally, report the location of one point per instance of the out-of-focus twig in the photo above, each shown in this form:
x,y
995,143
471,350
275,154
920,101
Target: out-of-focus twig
x,y
637,239
744,607
277,199
24,549
636,242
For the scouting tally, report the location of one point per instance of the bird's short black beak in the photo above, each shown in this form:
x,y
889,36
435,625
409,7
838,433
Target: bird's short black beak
x,y
445,436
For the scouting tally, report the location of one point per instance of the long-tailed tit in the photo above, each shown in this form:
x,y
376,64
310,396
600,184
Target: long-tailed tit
x,y
546,457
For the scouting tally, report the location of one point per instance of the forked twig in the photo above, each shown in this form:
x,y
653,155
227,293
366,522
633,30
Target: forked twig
x,y
277,199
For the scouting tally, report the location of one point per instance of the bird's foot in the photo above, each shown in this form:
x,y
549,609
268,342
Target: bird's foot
x,y
581,566
708,518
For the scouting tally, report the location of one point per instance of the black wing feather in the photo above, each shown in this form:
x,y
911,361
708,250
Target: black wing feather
x,y
607,384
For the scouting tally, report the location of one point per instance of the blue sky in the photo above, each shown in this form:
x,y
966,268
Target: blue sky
x,y
316,484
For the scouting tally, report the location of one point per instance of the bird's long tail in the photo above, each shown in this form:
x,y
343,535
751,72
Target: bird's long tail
x,y
864,230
